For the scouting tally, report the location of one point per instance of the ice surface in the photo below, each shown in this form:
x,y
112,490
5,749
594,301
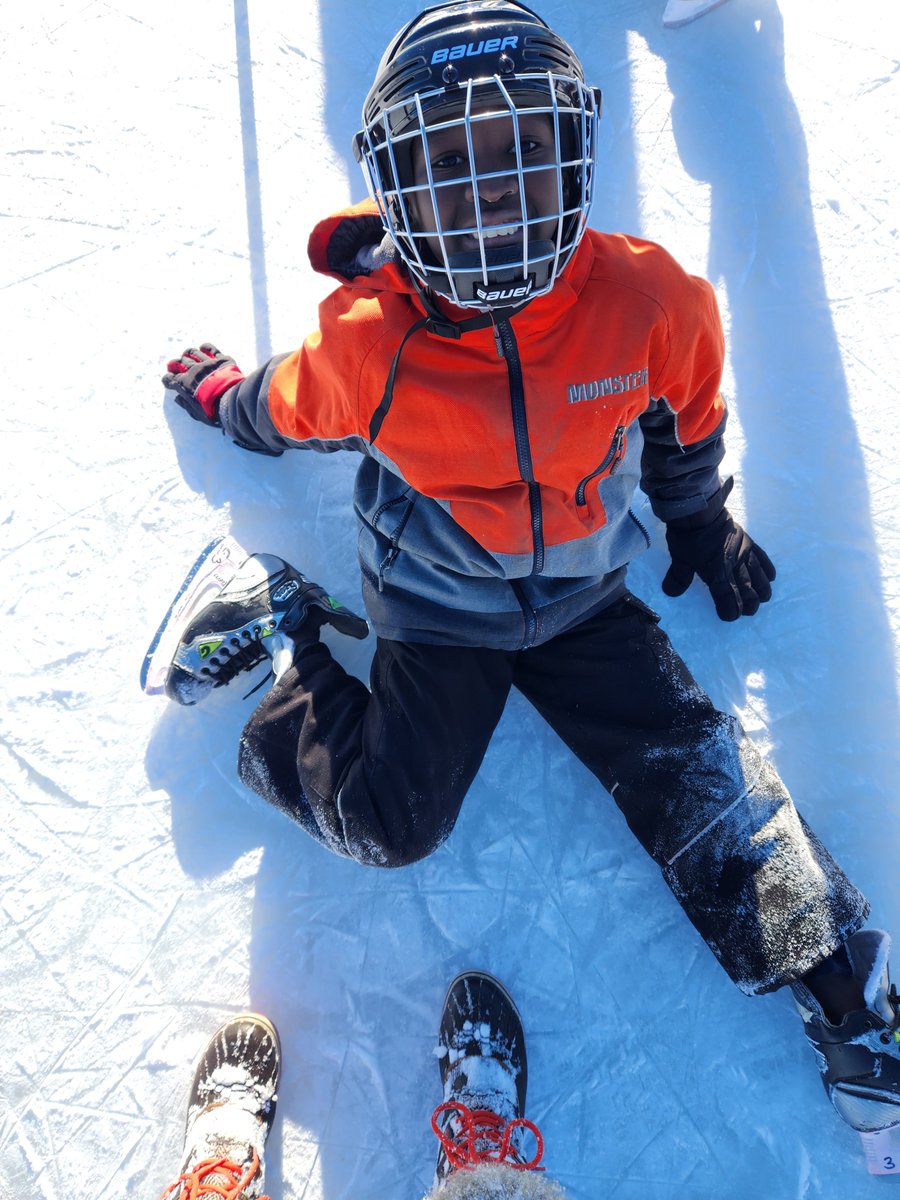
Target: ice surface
x,y
147,205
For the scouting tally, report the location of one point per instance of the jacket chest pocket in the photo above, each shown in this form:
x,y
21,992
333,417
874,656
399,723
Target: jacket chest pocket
x,y
610,463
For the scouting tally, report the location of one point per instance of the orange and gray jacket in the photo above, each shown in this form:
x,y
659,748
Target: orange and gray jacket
x,y
499,462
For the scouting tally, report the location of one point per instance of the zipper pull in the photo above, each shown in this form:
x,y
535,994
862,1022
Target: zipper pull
x,y
617,454
497,341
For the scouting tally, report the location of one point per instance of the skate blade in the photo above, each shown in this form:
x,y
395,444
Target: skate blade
x,y
682,12
215,567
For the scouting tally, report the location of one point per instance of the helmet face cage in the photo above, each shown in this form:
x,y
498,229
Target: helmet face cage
x,y
538,244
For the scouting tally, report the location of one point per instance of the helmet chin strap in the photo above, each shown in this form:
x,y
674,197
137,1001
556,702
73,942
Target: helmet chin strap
x,y
444,326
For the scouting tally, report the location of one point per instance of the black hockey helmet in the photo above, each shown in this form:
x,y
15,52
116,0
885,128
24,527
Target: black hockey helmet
x,y
451,68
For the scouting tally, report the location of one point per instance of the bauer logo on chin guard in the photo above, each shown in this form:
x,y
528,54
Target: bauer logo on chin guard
x,y
518,289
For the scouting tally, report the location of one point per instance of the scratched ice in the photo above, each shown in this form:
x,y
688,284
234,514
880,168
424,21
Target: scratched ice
x,y
163,165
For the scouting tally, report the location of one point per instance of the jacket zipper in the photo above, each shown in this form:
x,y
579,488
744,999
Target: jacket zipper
x,y
641,526
394,550
506,343
614,455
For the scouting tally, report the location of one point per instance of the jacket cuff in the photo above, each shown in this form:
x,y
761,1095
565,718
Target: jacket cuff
x,y
714,507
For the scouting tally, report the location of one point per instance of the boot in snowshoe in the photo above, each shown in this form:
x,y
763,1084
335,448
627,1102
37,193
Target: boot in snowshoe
x,y
233,611
859,1054
231,1109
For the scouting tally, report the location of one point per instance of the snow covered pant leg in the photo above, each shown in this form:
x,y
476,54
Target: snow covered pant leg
x,y
376,775
759,886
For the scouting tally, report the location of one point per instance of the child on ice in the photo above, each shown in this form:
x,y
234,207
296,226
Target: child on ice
x,y
509,377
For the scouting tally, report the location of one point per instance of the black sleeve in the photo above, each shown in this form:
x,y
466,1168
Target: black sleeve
x,y
244,413
679,480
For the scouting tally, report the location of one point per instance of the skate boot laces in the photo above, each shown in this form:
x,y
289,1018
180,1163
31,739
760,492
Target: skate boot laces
x,y
214,1177
244,649
469,1137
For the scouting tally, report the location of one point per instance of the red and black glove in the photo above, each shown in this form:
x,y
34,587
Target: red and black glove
x,y
199,379
712,545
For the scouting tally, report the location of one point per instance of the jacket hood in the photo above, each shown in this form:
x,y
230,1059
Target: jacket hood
x,y
352,245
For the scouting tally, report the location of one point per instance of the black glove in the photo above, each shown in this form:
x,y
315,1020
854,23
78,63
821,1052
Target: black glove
x,y
711,544
199,379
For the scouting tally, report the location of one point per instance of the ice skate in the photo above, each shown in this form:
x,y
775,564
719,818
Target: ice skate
x,y
231,1108
859,1057
484,1077
234,611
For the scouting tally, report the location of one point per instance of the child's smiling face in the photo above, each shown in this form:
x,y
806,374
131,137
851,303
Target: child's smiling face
x,y
499,198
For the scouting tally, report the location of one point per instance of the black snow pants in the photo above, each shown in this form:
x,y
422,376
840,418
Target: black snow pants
x,y
379,775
